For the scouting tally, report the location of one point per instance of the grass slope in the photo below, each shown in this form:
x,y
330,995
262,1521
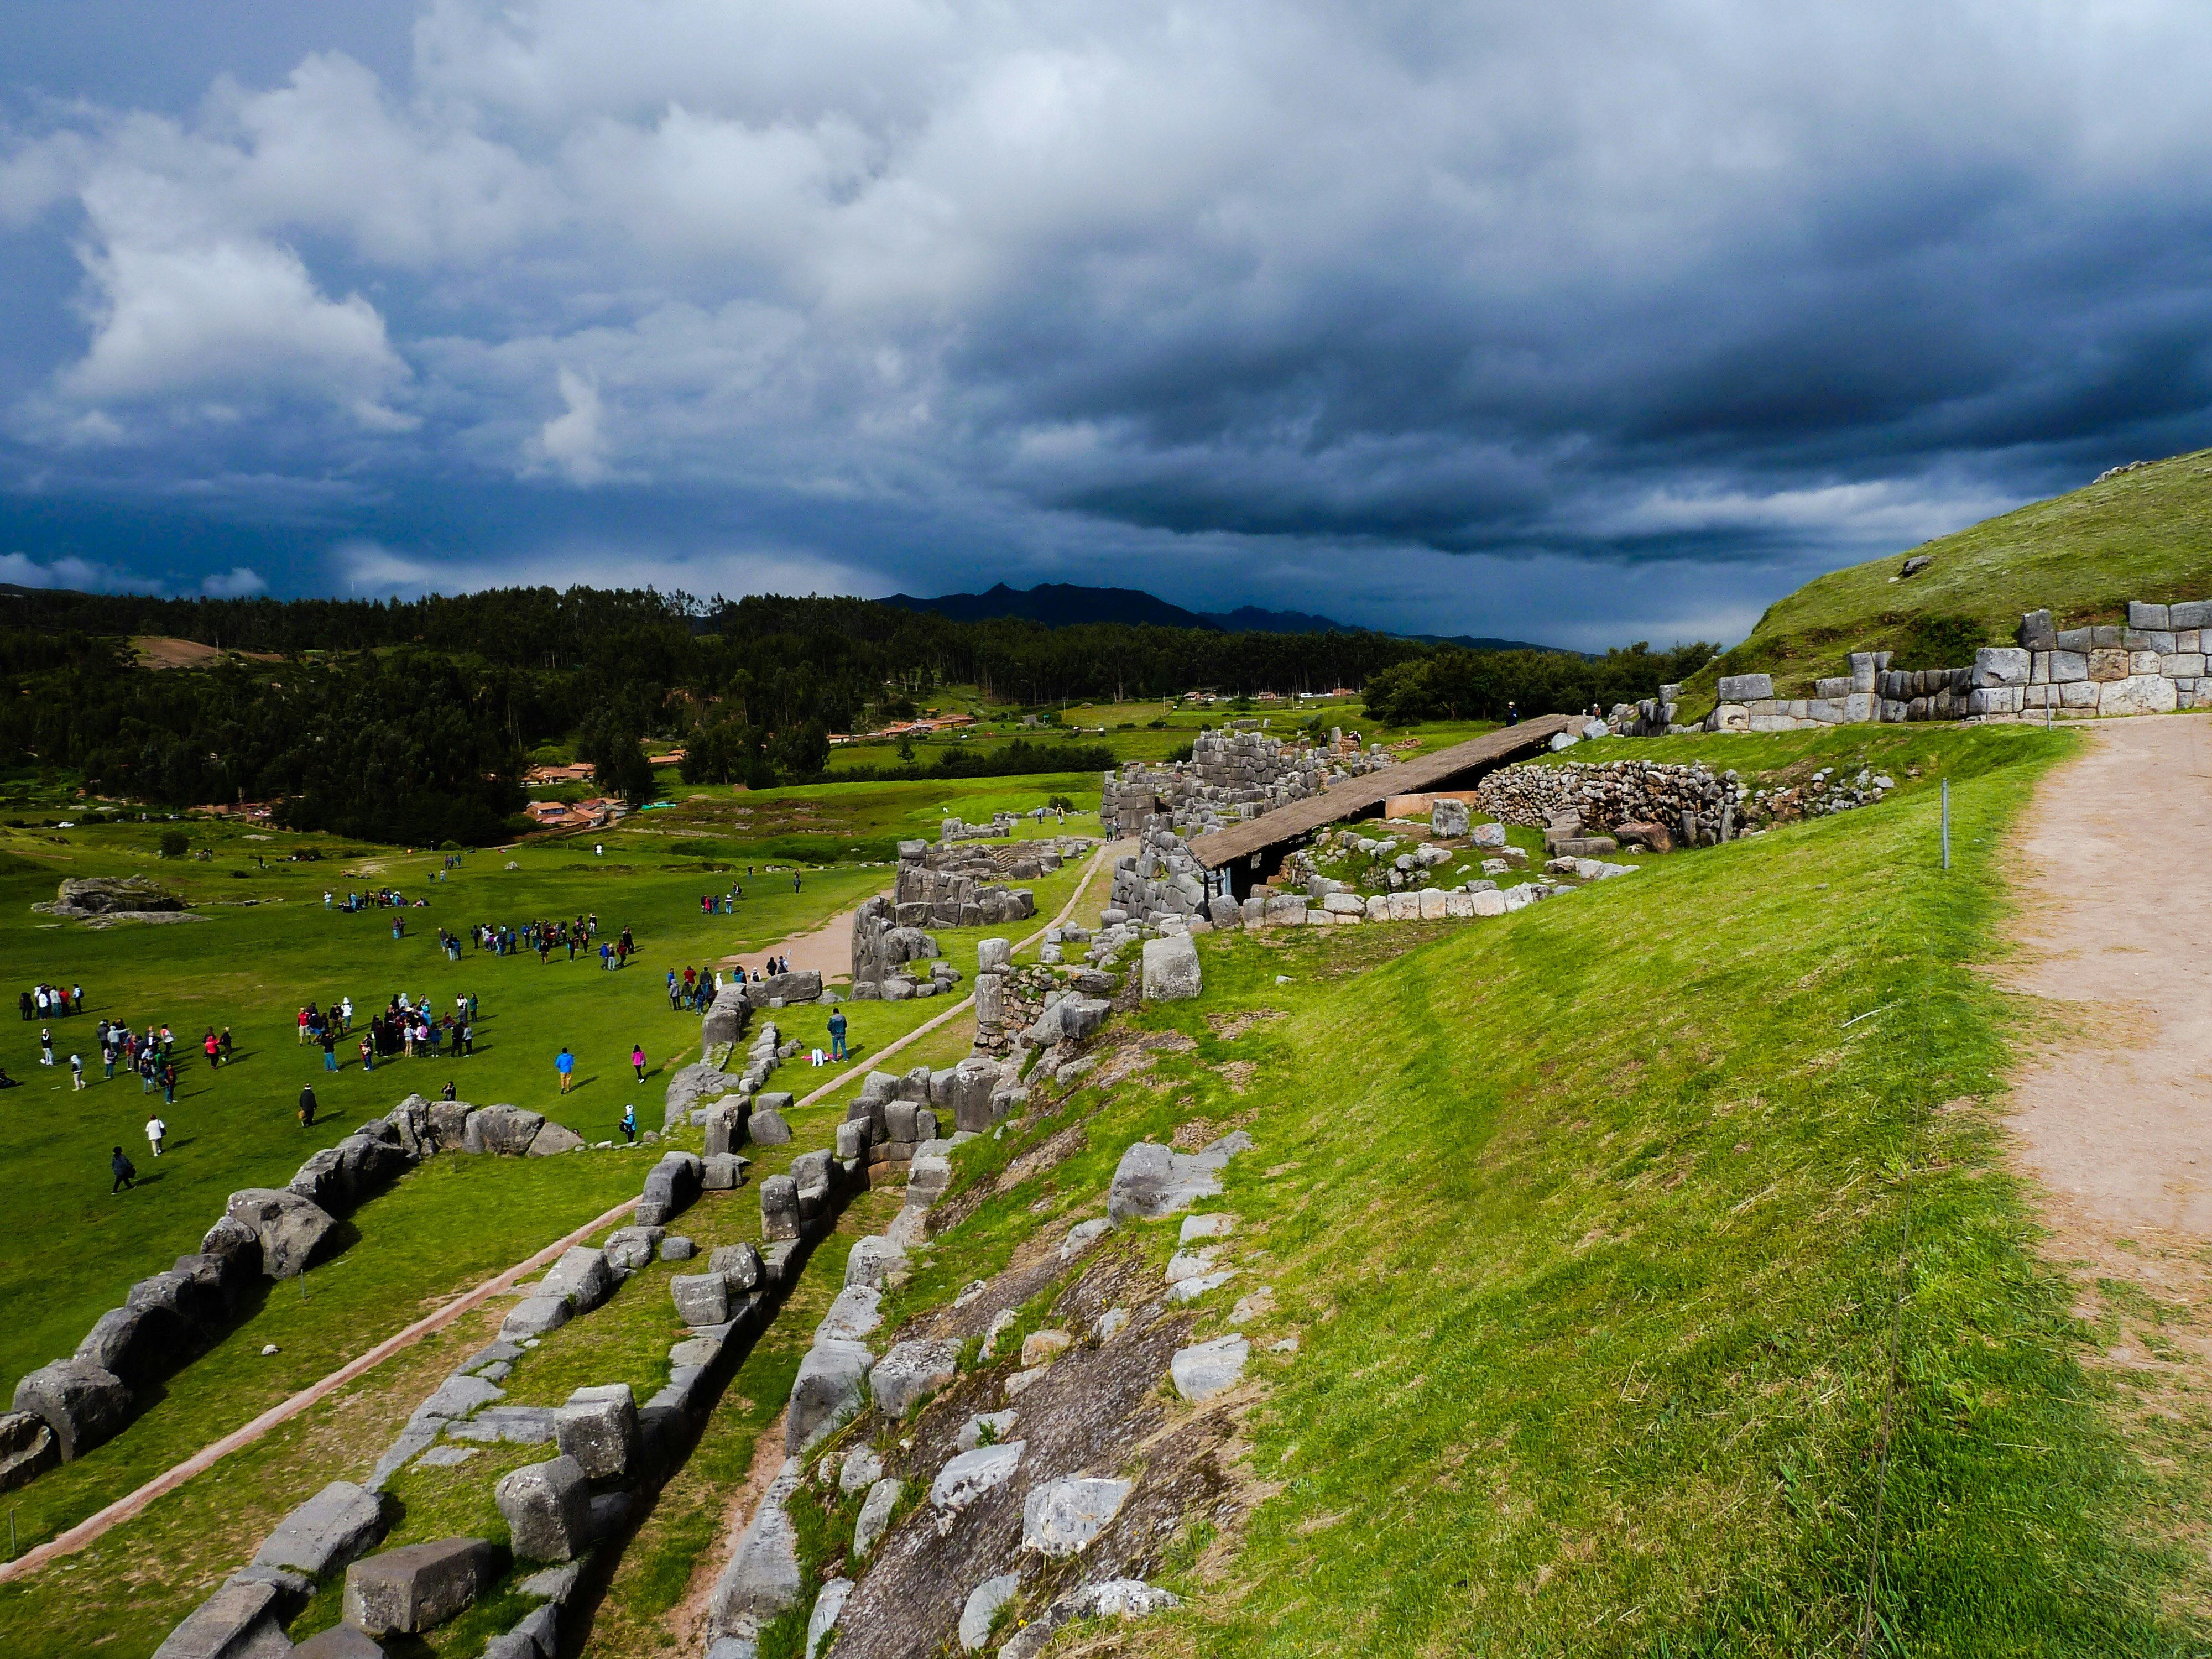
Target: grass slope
x,y
1590,1224
2144,535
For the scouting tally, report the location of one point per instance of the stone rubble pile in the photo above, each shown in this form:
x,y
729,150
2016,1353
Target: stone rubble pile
x,y
1826,792
999,1510
1230,776
1696,806
1000,828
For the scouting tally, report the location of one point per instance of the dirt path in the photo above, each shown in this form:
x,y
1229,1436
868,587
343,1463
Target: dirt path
x,y
2117,926
2113,1116
829,948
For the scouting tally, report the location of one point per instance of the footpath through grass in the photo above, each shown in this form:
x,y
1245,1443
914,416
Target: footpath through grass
x,y
1590,1226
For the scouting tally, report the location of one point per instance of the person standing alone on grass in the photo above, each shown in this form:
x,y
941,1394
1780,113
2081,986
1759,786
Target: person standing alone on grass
x,y
307,1106
168,1083
154,1130
836,1033
77,1070
125,1171
637,1060
628,1125
565,1063
46,1047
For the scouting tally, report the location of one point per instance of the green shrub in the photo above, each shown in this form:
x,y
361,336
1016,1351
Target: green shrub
x,y
175,843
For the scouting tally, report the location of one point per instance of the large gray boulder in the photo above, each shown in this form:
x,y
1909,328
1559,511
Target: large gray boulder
x,y
321,1180
1116,1598
597,1427
912,1371
449,1123
727,1129
826,1392
768,1127
1062,1517
739,1265
970,1474
243,1620
367,1165
553,1139
199,1302
136,1344
100,896
632,1248
805,985
762,1578
82,1404
583,1275
418,1587
535,1316
872,1261
1206,1369
330,1530
963,1093
1152,1182
27,1448
671,1186
410,1121
723,1022
503,1131
234,1245
982,1607
548,1508
779,1207
294,1233
1172,973
700,1298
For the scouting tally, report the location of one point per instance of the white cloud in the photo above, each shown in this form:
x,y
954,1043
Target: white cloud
x,y
236,583
81,574
196,325
573,441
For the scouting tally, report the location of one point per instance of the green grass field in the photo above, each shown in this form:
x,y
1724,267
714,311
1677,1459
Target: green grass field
x,y
453,1222
1591,1225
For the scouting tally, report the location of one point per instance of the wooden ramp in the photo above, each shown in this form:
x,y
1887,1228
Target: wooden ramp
x,y
1348,798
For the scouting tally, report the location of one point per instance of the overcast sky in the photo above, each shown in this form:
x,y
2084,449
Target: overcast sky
x,y
1569,322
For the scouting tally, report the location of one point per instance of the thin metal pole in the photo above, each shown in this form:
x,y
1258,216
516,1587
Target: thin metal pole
x,y
1946,823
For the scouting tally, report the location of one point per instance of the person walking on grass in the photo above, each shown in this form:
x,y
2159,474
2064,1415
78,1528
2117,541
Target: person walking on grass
x,y
168,1083
837,1034
125,1171
154,1130
213,1048
637,1060
77,1070
307,1106
565,1063
628,1125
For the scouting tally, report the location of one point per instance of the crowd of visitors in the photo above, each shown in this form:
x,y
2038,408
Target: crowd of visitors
x,y
381,898
50,1002
405,1028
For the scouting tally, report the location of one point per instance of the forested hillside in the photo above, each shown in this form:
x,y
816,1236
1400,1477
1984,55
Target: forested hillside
x,y
411,719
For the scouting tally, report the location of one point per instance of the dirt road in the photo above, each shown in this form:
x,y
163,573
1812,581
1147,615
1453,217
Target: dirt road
x,y
2112,1117
2117,1122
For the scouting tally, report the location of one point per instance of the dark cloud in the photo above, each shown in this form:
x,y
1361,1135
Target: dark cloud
x,y
1560,322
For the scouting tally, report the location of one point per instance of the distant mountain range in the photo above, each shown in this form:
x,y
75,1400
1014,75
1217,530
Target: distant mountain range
x,y
1063,605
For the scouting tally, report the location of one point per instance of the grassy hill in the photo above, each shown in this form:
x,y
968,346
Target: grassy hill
x,y
2146,534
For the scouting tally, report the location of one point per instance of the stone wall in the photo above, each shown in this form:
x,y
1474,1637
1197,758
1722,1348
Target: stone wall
x,y
2154,665
1161,879
1694,804
1230,776
961,885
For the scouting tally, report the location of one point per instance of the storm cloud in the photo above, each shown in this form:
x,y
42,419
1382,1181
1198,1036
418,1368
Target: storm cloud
x,y
1576,322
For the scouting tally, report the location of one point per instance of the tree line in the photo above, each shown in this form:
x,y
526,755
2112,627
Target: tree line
x,y
412,720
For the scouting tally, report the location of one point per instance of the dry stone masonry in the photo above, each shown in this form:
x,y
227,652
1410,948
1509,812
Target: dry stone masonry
x,y
2154,664
1230,777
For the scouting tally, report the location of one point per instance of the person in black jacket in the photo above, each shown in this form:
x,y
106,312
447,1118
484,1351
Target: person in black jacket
x,y
125,1172
307,1107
